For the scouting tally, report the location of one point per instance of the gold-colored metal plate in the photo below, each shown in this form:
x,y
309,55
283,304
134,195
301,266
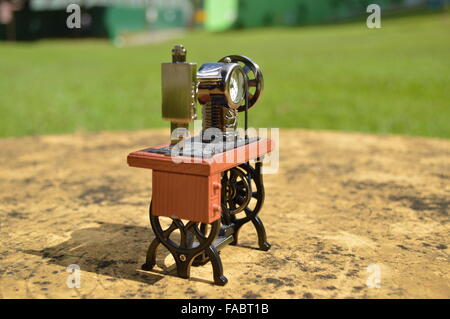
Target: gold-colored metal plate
x,y
178,91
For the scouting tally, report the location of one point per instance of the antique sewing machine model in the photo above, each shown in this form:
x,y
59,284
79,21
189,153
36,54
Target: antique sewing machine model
x,y
199,204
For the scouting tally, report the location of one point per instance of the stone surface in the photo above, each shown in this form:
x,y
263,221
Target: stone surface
x,y
342,209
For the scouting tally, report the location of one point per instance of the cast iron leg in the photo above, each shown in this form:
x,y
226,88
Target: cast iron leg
x,y
252,215
262,238
183,266
260,230
235,236
150,260
213,254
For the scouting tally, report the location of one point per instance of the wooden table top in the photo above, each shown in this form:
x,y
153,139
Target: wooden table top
x,y
195,166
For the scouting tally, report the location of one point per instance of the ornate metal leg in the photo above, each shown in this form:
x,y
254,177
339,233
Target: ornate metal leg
x,y
244,194
150,260
194,242
183,265
213,254
261,231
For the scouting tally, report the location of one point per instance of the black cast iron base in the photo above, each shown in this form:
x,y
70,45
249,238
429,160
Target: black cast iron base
x,y
200,243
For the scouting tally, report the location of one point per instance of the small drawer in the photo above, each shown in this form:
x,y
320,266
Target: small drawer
x,y
186,196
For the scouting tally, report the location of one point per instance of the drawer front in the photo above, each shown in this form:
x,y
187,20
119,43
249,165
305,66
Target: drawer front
x,y
184,196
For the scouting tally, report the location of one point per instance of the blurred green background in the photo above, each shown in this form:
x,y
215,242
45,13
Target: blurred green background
x,y
335,76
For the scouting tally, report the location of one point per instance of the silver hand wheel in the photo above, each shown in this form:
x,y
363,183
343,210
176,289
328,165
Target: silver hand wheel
x,y
255,78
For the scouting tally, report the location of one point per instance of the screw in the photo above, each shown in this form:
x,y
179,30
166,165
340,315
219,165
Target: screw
x,y
182,257
178,54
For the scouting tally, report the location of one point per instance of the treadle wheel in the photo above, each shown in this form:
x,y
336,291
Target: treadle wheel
x,y
237,190
252,207
255,198
195,242
191,237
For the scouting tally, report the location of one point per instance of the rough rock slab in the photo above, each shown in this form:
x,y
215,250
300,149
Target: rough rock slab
x,y
339,203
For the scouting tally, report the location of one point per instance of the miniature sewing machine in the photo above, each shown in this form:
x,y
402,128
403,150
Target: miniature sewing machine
x,y
205,187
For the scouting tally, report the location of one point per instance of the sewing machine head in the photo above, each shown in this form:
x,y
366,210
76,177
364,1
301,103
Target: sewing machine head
x,y
223,88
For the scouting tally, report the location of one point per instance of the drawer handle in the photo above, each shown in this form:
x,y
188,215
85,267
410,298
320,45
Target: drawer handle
x,y
216,209
216,186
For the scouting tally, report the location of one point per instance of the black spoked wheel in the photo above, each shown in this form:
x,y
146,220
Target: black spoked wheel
x,y
253,200
236,193
193,236
249,197
194,240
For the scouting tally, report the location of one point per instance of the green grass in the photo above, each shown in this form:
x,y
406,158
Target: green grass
x,y
341,77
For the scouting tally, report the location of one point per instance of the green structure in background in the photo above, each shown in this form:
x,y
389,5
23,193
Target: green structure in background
x,y
226,14
118,20
221,15
47,19
157,16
